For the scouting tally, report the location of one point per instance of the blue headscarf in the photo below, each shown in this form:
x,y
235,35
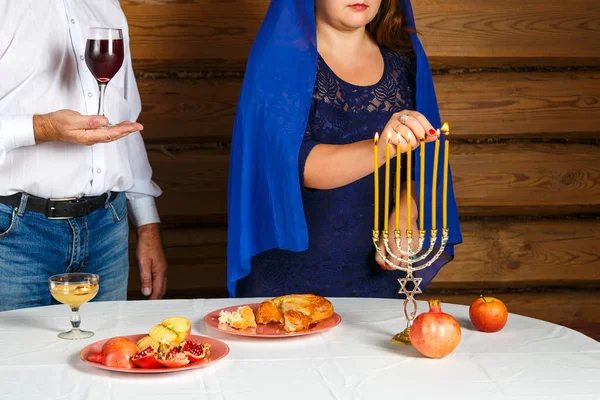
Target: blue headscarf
x,y
265,208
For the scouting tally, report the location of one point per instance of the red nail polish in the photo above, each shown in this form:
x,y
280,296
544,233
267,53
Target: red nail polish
x,y
382,266
432,132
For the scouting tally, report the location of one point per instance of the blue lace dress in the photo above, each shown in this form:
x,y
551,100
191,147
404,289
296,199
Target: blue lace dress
x,y
340,260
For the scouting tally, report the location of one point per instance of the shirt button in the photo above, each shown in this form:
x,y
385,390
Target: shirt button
x,y
98,170
81,58
72,21
90,94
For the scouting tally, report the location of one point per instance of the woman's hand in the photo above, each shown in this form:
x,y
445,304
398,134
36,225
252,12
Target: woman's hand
x,y
404,127
403,226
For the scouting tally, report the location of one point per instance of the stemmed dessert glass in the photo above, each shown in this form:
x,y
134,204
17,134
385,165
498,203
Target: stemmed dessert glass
x,y
104,54
74,289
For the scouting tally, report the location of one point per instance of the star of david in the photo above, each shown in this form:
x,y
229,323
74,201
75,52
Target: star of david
x,y
416,289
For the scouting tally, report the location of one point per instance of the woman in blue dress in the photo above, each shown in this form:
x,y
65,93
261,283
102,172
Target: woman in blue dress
x,y
301,184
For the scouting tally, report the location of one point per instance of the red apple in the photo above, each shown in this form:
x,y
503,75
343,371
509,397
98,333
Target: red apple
x,y
488,314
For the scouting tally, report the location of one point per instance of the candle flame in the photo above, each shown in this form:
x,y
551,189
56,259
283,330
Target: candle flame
x,y
376,137
446,128
389,136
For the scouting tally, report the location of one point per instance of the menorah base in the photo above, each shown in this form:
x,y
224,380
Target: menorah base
x,y
402,338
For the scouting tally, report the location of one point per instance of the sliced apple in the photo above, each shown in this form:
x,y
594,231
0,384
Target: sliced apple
x,y
163,335
181,326
146,342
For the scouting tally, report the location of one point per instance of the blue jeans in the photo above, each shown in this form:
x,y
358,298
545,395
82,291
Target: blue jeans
x,y
32,248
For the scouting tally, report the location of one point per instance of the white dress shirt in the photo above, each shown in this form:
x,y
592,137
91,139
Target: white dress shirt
x,y
43,69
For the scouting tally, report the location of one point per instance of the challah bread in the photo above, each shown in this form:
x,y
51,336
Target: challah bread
x,y
268,312
242,318
295,321
285,308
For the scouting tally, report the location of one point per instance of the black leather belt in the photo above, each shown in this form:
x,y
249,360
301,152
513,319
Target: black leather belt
x,y
60,208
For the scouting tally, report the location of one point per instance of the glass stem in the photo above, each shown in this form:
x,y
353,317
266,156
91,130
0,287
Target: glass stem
x,y
75,318
102,87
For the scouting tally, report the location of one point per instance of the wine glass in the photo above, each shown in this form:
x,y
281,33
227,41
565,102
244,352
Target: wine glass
x,y
104,53
74,289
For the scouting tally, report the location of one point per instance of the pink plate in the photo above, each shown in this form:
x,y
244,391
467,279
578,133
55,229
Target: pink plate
x,y
218,350
273,330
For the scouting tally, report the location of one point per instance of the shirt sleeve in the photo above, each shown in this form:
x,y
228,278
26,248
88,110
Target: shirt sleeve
x,y
308,143
15,131
141,196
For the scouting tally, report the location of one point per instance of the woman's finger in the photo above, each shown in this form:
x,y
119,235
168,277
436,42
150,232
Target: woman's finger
x,y
409,137
431,133
400,131
415,126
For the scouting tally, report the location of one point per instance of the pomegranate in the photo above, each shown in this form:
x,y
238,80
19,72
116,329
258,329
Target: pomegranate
x,y
116,352
174,359
435,334
146,358
194,351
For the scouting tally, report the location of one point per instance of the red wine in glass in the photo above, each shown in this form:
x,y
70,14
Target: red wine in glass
x,y
104,53
104,58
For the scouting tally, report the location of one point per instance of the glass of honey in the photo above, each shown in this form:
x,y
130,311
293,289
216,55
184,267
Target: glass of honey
x,y
74,289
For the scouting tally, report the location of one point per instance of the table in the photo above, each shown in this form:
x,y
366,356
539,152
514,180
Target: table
x,y
528,359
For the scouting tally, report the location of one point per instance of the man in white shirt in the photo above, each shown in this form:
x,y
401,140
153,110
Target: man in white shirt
x,y
66,180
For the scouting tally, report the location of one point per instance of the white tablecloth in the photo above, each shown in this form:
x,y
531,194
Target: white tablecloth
x,y
528,359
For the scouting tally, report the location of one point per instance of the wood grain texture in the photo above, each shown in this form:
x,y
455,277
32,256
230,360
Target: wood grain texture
x,y
194,185
491,179
510,32
188,110
506,105
526,179
577,310
210,35
197,259
497,254
521,105
517,253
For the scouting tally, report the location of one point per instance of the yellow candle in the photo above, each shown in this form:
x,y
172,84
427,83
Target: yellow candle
x,y
446,131
386,213
408,184
422,191
376,179
398,165
436,158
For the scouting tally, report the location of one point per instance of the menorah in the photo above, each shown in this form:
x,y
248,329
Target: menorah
x,y
411,260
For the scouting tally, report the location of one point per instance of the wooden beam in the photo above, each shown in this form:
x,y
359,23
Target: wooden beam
x,y
492,179
526,179
521,105
495,254
501,105
505,253
214,35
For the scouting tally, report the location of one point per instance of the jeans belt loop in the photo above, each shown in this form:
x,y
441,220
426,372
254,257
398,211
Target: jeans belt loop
x,y
23,205
107,201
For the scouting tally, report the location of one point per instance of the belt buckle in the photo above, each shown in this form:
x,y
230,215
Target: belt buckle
x,y
54,208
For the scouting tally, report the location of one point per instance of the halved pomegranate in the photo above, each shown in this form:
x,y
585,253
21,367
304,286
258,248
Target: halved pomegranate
x,y
174,359
194,351
146,359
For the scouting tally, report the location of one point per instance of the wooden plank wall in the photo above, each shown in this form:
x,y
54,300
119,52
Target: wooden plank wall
x,y
520,82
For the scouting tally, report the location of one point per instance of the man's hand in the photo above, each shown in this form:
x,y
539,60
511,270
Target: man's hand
x,y
71,126
151,261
